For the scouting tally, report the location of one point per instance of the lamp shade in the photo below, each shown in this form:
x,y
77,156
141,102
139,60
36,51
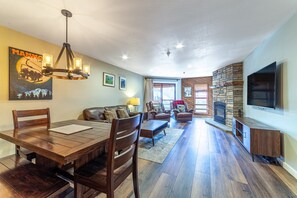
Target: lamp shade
x,y
135,101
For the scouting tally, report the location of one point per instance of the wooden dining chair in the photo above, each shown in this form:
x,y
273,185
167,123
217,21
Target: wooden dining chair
x,y
24,119
105,173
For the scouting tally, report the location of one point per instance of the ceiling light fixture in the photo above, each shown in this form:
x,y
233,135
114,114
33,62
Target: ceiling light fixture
x,y
179,46
168,52
125,57
74,69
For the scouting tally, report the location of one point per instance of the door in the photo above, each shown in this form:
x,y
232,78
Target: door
x,y
165,93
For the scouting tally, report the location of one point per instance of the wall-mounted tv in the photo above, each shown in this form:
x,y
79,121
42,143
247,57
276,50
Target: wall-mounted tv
x,y
262,87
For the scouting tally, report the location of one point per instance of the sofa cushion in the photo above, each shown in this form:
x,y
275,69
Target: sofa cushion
x,y
122,113
110,115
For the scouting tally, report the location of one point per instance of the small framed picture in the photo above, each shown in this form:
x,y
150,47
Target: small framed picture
x,y
122,83
108,79
188,92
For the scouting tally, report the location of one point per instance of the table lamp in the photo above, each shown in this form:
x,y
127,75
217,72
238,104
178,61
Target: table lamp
x,y
135,102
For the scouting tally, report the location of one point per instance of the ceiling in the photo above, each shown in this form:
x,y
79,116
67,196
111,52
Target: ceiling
x,y
215,32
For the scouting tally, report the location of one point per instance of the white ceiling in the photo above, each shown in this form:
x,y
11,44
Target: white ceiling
x,y
215,32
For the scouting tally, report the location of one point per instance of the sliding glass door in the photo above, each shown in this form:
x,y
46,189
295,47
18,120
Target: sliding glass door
x,y
165,93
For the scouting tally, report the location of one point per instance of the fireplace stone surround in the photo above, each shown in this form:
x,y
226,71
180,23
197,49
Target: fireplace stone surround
x,y
228,88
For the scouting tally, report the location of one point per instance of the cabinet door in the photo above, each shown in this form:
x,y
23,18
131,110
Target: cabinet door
x,y
247,138
234,126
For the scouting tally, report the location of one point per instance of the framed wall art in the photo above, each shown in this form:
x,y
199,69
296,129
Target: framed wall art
x,y
187,92
122,83
26,81
108,79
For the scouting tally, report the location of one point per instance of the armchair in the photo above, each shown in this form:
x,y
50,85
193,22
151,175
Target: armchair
x,y
181,111
156,111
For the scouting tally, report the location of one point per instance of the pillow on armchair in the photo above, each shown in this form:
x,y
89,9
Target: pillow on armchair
x,y
181,108
157,106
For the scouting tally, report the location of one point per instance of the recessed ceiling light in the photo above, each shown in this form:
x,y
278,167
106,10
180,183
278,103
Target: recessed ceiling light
x,y
124,57
179,46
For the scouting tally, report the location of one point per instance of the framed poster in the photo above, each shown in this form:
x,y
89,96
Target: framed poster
x,y
26,81
187,92
108,79
122,83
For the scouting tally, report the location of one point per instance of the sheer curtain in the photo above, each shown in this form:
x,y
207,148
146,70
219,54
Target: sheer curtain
x,y
148,92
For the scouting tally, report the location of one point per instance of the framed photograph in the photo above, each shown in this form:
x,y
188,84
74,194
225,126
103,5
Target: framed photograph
x,y
26,81
122,83
108,79
188,92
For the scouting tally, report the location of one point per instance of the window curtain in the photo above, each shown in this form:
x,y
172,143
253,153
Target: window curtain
x,y
148,92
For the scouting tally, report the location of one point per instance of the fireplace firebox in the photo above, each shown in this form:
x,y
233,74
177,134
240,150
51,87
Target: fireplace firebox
x,y
220,112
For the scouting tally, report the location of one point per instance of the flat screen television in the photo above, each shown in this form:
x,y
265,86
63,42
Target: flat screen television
x,y
262,87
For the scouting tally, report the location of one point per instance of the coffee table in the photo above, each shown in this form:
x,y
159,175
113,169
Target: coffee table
x,y
151,128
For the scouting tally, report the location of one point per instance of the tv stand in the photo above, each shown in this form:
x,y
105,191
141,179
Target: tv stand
x,y
256,137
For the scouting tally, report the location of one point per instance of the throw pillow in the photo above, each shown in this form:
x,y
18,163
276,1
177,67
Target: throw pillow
x,y
157,107
110,115
122,113
114,110
181,108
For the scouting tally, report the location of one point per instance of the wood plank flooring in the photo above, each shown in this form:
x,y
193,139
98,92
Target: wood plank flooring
x,y
206,162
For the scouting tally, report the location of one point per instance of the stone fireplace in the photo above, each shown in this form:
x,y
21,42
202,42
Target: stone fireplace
x,y
228,89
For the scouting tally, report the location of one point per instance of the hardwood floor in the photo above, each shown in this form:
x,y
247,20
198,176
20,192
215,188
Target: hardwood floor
x,y
206,162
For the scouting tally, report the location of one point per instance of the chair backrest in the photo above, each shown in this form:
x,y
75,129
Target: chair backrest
x,y
23,118
123,143
177,102
157,106
148,106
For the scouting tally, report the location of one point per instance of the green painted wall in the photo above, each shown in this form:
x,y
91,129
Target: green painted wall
x,y
69,97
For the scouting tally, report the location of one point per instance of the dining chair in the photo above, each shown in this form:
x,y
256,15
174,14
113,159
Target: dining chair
x,y
24,119
105,173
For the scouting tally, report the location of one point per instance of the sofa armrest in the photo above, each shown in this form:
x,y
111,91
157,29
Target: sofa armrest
x,y
131,114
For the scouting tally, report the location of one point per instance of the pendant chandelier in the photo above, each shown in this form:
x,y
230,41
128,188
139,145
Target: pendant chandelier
x,y
74,69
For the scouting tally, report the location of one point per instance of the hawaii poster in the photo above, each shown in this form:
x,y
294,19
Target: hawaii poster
x,y
26,81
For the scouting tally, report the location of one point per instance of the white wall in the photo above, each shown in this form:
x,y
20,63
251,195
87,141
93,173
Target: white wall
x,y
69,97
282,48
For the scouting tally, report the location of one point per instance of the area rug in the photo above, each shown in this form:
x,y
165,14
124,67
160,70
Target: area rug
x,y
163,145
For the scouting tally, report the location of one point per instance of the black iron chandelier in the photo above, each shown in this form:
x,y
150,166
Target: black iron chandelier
x,y
74,69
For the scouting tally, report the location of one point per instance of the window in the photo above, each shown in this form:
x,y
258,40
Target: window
x,y
201,98
165,93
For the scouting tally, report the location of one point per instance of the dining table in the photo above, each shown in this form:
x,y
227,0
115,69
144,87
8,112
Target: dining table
x,y
56,149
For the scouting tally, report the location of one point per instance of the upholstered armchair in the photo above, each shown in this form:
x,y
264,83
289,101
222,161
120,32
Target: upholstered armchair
x,y
181,111
156,111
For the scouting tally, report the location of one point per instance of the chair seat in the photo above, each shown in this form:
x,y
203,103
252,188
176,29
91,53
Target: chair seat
x,y
184,116
94,173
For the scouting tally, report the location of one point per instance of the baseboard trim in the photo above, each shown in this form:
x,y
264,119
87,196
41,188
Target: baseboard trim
x,y
289,168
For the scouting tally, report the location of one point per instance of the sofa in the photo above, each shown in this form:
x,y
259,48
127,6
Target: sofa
x,y
98,114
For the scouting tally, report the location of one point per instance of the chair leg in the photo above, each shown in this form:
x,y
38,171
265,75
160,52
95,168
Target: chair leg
x,y
135,181
17,150
110,193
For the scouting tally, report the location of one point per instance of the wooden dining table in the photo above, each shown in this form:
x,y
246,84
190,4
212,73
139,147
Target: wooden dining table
x,y
55,149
